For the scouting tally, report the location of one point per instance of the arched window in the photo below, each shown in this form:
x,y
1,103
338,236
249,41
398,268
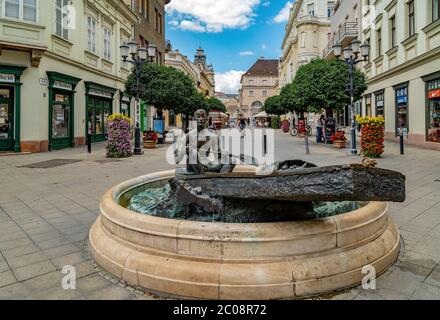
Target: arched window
x,y
256,107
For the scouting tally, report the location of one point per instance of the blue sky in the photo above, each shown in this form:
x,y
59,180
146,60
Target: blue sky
x,y
233,33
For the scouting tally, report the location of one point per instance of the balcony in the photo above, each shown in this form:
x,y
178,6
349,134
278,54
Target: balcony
x,y
346,33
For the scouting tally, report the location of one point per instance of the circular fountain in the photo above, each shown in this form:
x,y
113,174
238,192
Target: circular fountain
x,y
265,260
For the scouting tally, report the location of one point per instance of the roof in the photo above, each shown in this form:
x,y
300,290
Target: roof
x,y
264,67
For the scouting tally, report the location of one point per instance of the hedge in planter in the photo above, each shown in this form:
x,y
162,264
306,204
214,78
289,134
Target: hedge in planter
x,y
119,136
276,122
373,136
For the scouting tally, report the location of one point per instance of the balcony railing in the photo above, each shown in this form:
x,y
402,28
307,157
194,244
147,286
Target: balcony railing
x,y
347,30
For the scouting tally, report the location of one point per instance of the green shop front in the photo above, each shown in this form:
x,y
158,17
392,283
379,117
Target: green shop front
x,y
99,102
61,110
10,105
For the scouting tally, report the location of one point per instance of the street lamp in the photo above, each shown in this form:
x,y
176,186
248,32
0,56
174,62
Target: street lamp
x,y
351,58
139,57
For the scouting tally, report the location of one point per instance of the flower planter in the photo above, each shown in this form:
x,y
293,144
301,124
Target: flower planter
x,y
339,144
149,144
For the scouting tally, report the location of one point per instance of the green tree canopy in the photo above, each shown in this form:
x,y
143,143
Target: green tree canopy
x,y
287,99
273,106
322,84
166,88
193,103
215,104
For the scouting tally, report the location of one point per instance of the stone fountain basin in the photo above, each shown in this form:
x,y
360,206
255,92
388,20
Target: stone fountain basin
x,y
239,261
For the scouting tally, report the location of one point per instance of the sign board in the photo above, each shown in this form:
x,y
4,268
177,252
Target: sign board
x,y
402,99
434,94
62,85
100,93
9,78
44,82
402,131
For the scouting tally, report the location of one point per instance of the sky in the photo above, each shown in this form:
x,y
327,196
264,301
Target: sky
x,y
233,33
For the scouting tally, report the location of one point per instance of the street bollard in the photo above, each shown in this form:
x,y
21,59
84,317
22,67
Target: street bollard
x,y
265,144
306,141
402,150
89,143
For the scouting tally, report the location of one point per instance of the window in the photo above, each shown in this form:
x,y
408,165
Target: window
x,y
144,8
264,93
251,93
91,34
108,43
158,21
393,31
435,10
62,18
411,19
379,42
311,9
26,10
330,6
251,81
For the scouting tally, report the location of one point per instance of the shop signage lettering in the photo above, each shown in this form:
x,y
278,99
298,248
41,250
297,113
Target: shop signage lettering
x,y
62,85
9,78
434,94
100,93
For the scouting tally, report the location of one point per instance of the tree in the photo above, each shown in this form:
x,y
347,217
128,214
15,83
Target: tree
x,y
273,106
323,84
215,104
192,103
165,88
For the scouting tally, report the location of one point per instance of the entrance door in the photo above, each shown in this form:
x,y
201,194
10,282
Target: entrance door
x,y
6,118
61,121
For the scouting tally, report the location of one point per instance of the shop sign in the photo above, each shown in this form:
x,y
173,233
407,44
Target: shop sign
x,y
62,85
9,78
402,99
59,98
125,98
434,94
44,82
100,93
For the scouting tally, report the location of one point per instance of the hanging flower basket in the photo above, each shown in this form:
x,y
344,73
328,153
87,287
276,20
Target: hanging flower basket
x,y
373,136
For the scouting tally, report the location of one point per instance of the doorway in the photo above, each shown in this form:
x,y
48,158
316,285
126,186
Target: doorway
x,y
6,118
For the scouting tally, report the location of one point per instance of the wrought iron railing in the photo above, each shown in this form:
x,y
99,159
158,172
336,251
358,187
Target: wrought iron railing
x,y
348,29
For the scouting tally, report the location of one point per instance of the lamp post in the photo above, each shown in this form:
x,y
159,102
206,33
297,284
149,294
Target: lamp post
x,y
139,57
351,58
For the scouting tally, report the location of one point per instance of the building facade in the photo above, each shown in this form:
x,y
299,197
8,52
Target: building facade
x,y
404,68
198,70
307,34
257,84
61,71
346,26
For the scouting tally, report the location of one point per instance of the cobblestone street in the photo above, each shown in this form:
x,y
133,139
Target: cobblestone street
x,y
46,212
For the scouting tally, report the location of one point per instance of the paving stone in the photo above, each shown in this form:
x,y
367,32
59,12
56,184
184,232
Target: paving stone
x,y
15,291
92,283
70,259
427,292
26,260
57,293
405,283
84,269
7,278
34,270
61,251
44,282
21,251
4,266
12,244
110,293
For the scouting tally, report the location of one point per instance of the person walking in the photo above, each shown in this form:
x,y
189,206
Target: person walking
x,y
320,124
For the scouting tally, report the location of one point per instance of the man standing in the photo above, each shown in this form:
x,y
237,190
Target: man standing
x,y
320,124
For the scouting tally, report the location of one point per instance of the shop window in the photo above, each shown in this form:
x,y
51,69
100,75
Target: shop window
x,y
368,105
402,112
433,125
380,104
25,10
60,116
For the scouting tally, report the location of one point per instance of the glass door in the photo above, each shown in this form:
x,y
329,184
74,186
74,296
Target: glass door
x,y
6,119
61,122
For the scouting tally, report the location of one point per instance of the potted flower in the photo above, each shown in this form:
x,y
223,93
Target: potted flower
x,y
285,126
338,139
373,136
150,139
118,143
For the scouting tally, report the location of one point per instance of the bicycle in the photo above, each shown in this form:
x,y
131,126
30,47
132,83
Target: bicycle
x,y
294,131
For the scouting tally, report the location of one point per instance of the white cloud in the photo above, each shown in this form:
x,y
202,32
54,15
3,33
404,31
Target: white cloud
x,y
228,82
266,4
191,25
173,23
283,15
246,53
263,47
213,15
